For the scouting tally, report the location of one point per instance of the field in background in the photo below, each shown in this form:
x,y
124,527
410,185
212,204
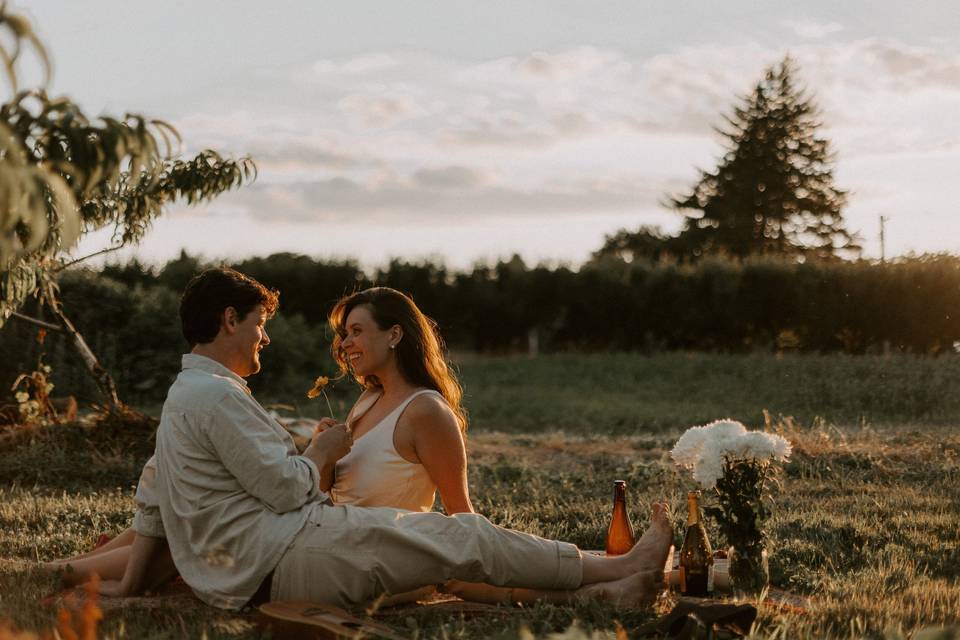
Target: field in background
x,y
630,394
865,521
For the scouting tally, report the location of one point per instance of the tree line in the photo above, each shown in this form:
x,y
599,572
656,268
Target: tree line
x,y
128,312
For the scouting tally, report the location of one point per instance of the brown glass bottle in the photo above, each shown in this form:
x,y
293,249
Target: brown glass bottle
x,y
620,536
696,556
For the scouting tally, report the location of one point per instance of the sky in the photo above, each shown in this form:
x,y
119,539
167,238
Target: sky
x,y
469,131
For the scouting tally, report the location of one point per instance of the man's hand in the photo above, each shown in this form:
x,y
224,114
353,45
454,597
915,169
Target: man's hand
x,y
326,448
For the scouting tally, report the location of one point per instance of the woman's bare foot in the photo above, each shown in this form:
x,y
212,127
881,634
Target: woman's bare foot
x,y
651,550
638,590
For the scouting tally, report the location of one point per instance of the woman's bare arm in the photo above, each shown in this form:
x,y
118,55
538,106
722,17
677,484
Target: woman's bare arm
x,y
440,449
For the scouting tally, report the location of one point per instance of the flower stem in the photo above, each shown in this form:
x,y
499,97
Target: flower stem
x,y
329,408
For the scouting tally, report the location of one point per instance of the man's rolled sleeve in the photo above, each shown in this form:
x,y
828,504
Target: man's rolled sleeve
x,y
254,450
146,521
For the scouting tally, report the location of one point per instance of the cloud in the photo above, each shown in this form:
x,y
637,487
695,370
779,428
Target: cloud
x,y
303,155
540,66
378,111
452,177
811,29
580,61
366,63
914,66
505,130
447,192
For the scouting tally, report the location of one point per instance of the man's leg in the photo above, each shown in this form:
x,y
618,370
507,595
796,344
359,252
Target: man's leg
x,y
349,555
629,591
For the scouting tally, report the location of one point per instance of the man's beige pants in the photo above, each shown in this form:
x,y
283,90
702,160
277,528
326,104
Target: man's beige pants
x,y
347,555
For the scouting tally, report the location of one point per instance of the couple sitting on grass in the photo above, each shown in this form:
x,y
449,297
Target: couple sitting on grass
x,y
228,502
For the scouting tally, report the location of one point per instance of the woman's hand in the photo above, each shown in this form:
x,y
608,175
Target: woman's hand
x,y
326,448
324,424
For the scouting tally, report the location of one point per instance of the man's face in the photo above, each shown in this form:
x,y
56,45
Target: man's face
x,y
250,338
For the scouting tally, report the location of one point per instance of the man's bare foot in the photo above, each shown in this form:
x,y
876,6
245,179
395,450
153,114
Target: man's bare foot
x,y
638,590
651,550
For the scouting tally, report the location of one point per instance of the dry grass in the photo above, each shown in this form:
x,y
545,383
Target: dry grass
x,y
865,524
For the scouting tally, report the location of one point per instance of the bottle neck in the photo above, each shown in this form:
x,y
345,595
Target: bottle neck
x,y
619,493
693,512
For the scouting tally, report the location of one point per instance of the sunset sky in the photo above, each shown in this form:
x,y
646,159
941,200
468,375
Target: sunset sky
x,y
470,131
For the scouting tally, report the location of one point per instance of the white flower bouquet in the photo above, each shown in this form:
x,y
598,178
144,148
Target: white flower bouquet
x,y
735,464
708,449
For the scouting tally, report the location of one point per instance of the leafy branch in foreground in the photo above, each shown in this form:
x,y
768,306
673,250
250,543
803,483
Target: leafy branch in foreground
x,y
64,174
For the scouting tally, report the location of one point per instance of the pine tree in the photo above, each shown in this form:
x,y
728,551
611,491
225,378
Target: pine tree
x,y
772,191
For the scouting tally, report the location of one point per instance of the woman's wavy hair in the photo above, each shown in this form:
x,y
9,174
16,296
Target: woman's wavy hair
x,y
420,353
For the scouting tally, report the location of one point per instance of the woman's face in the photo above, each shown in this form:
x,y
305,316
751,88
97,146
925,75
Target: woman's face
x,y
367,346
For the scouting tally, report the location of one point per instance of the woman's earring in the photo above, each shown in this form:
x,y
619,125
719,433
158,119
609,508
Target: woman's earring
x,y
393,346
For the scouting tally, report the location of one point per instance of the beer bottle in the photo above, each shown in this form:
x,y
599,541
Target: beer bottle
x,y
620,536
696,556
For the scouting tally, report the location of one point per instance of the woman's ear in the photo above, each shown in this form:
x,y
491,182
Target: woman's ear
x,y
396,335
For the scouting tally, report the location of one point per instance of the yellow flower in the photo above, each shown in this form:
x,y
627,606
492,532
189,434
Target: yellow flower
x,y
318,386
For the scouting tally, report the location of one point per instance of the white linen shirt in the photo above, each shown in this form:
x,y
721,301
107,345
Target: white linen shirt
x,y
230,486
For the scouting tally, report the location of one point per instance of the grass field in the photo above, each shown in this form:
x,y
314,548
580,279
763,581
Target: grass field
x,y
866,520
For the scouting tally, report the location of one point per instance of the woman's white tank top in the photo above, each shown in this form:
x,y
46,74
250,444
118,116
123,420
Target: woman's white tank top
x,y
373,474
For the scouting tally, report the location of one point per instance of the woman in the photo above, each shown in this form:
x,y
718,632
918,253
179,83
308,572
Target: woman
x,y
407,426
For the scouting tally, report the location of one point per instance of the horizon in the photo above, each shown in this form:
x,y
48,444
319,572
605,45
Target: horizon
x,y
444,130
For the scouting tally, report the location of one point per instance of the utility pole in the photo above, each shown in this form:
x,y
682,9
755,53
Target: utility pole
x,y
883,247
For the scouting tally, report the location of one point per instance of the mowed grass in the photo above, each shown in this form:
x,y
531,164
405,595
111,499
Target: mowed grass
x,y
632,394
865,524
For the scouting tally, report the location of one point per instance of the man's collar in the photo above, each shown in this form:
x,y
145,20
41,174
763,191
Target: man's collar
x,y
194,361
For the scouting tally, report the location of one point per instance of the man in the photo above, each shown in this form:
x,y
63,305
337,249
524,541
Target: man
x,y
245,519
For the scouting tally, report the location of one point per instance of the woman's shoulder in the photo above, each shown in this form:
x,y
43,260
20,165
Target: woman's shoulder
x,y
431,407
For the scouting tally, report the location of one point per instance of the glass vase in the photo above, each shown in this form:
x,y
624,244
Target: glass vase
x,y
749,571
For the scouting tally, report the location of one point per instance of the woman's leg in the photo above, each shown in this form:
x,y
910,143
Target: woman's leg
x,y
109,566
123,539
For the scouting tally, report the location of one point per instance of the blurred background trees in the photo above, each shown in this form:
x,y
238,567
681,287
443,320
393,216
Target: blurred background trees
x,y
761,304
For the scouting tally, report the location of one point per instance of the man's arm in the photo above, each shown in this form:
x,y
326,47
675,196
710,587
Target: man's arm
x,y
252,448
146,520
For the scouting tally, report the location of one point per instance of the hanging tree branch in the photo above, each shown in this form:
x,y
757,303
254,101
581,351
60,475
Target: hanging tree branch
x,y
36,321
63,174
86,257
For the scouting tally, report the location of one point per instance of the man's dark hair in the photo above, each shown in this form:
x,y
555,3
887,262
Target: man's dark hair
x,y
213,290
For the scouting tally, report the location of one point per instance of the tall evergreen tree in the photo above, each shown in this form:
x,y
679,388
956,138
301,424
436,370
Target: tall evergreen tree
x,y
772,191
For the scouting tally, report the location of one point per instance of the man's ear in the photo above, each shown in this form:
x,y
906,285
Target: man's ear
x,y
229,321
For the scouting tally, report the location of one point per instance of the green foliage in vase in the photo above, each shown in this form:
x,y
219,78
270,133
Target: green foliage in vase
x,y
741,511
